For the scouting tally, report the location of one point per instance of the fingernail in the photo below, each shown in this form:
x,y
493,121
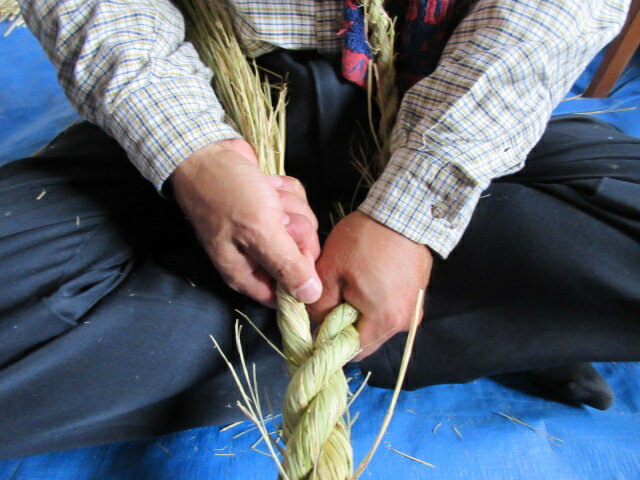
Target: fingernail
x,y
309,291
276,180
286,219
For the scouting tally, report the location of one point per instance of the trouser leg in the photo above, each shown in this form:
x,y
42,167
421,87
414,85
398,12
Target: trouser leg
x,y
548,272
107,307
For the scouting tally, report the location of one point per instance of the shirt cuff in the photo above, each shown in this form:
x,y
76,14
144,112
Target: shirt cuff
x,y
423,198
161,124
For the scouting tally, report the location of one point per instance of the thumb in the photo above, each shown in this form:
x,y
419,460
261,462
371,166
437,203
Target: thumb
x,y
330,298
280,256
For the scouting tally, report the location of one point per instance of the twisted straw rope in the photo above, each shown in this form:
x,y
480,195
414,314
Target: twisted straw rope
x,y
381,78
317,437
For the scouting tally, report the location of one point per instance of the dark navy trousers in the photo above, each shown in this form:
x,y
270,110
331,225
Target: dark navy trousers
x,y
108,302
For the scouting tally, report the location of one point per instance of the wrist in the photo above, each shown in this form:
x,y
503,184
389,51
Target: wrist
x,y
390,231
234,149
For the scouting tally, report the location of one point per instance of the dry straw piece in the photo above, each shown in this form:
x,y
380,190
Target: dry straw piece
x,y
10,10
381,80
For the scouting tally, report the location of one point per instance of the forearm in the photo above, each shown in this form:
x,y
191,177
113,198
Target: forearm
x,y
479,114
126,67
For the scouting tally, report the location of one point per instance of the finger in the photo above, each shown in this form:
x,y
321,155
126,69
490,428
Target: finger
x,y
373,335
375,332
280,256
243,274
289,184
304,234
294,204
263,287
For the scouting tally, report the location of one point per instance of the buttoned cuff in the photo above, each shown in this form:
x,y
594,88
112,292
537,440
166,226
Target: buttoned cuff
x,y
161,124
424,199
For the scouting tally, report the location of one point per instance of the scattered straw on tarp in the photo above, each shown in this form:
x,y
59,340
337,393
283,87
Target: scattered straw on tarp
x,y
10,10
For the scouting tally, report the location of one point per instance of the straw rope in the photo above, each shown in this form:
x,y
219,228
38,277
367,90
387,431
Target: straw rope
x,y
316,435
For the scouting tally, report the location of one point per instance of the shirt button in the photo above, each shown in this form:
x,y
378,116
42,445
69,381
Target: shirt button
x,y
439,210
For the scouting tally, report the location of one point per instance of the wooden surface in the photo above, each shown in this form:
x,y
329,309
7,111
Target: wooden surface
x,y
617,56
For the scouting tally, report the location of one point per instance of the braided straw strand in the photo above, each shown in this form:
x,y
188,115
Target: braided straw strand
x,y
382,77
317,438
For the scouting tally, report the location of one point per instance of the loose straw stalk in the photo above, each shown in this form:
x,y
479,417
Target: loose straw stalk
x,y
10,10
314,429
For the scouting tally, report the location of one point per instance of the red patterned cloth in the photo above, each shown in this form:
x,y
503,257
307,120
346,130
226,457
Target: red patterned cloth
x,y
423,28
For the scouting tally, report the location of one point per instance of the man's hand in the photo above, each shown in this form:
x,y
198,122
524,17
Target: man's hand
x,y
378,271
256,228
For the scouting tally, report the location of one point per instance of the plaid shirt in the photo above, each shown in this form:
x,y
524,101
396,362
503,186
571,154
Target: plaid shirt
x,y
125,66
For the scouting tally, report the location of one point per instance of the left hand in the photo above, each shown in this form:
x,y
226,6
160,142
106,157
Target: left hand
x,y
376,270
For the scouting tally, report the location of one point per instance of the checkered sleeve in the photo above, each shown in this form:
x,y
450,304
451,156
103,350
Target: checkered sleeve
x,y
125,66
479,114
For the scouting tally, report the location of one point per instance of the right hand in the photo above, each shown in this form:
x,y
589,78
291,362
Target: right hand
x,y
257,229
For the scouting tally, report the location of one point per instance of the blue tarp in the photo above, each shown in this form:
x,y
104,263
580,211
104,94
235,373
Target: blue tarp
x,y
462,430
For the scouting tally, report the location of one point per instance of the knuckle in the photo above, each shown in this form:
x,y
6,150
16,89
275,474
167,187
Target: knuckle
x,y
233,284
296,185
308,222
297,231
305,224
324,267
237,284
